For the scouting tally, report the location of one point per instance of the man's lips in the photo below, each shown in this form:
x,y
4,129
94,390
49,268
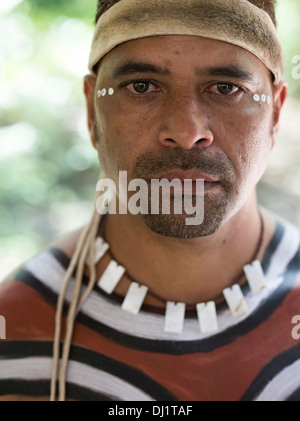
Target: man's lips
x,y
193,175
187,175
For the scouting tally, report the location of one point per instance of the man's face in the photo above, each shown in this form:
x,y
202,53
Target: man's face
x,y
183,107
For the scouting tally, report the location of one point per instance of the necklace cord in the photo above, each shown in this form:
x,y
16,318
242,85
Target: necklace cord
x,y
257,250
237,280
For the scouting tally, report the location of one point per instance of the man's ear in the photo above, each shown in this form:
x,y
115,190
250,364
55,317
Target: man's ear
x,y
280,94
89,89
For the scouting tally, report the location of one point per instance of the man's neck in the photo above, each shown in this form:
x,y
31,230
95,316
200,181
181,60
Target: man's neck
x,y
187,270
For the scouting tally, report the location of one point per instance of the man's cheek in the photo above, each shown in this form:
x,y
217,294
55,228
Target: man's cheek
x,y
107,157
115,156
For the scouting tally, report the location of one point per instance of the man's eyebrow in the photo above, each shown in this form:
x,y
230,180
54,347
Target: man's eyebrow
x,y
231,71
133,67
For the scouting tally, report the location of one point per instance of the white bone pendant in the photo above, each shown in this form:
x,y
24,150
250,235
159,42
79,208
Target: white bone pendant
x,y
134,298
174,317
255,276
235,300
207,317
100,248
111,276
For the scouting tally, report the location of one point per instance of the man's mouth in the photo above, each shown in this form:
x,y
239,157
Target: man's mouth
x,y
186,181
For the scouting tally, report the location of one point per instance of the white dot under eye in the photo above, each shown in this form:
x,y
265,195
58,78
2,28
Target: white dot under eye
x,y
99,93
256,97
268,99
110,91
263,98
103,92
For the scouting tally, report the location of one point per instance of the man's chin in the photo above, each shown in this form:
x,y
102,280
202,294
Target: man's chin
x,y
176,226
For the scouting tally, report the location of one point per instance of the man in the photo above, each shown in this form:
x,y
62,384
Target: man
x,y
147,306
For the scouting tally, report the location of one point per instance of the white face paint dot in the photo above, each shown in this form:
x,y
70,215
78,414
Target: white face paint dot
x,y
103,92
99,93
256,97
110,91
268,99
263,98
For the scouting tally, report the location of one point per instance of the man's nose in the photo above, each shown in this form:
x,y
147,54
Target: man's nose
x,y
185,124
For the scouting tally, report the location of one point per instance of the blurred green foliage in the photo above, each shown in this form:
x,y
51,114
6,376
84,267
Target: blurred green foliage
x,y
288,26
48,169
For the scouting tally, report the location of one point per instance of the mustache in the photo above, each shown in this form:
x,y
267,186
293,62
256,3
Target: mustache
x,y
215,164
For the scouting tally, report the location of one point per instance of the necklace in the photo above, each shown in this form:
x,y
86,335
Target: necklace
x,y
90,249
175,312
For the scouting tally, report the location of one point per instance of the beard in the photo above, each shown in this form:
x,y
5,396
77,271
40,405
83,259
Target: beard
x,y
174,225
217,203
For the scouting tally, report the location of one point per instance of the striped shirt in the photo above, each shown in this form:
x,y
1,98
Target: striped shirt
x,y
116,355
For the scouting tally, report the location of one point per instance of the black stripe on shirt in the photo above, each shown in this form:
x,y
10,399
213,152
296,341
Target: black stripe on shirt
x,y
41,388
295,396
48,294
269,372
272,246
131,375
260,315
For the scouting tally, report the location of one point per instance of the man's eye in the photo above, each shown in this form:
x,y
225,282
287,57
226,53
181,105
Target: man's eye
x,y
224,89
141,87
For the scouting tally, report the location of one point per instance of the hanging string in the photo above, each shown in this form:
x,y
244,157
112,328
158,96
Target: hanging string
x,y
84,246
89,246
59,309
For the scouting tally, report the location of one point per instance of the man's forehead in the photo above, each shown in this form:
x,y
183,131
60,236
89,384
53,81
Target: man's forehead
x,y
162,55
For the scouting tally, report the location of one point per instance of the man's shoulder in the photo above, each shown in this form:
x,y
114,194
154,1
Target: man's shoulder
x,y
281,223
285,239
281,262
28,296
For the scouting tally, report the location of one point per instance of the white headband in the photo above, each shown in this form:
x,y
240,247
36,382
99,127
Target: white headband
x,y
237,22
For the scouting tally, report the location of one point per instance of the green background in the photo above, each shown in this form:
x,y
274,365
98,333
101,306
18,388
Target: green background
x,y
48,169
